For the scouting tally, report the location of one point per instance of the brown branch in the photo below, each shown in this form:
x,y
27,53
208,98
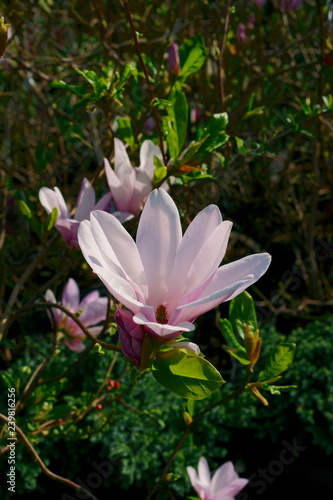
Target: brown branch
x,y
137,46
41,464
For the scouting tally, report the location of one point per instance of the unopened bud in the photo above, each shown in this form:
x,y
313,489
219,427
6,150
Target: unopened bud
x,y
173,59
187,417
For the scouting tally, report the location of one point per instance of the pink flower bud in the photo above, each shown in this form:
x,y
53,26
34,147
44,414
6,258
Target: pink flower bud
x,y
173,59
241,33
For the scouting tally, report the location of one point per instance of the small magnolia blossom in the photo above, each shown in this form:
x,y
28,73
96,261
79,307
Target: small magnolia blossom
x,y
93,307
86,202
291,4
224,485
130,186
241,33
164,279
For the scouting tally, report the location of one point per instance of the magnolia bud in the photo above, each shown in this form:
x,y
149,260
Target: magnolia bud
x,y
173,59
187,417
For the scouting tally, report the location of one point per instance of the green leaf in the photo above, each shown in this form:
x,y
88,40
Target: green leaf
x,y
52,219
127,72
27,215
236,355
179,113
229,335
254,112
168,127
190,377
277,389
125,131
190,407
213,133
8,379
160,173
242,310
328,101
74,89
89,75
278,361
192,55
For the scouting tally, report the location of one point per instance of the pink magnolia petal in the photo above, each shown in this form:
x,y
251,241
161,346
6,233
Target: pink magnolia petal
x,y
204,472
103,202
90,297
69,229
75,345
158,239
121,186
223,476
147,152
228,282
71,296
58,315
123,216
51,198
123,252
189,346
94,312
160,331
232,489
86,201
96,330
195,236
141,190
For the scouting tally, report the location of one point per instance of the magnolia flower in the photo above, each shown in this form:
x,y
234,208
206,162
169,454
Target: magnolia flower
x,y
130,186
291,4
86,202
241,33
94,309
224,485
164,279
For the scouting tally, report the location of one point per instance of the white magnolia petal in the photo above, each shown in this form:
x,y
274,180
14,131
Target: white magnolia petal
x,y
147,152
204,472
85,202
163,330
118,248
71,296
51,198
194,238
158,239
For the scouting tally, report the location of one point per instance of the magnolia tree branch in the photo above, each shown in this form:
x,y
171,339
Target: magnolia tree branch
x,y
190,426
137,46
41,464
51,305
40,255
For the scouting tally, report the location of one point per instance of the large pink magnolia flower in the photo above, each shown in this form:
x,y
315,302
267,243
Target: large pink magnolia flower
x,y
164,279
129,185
224,485
86,202
94,309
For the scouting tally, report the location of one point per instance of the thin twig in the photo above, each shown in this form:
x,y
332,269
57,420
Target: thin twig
x,y
137,46
41,464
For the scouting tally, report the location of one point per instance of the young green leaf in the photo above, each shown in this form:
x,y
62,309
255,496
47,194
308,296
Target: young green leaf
x,y
278,361
27,215
74,89
242,310
191,377
192,55
179,113
236,355
230,336
52,219
277,389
